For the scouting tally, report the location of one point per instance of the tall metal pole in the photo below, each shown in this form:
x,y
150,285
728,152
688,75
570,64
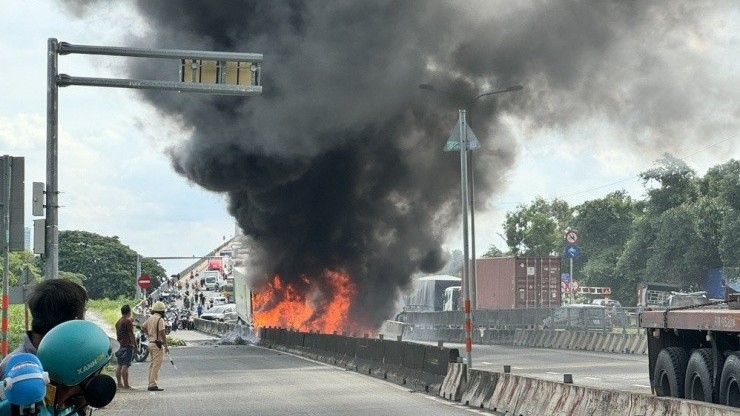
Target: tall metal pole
x,y
6,252
572,295
466,258
51,241
139,293
474,269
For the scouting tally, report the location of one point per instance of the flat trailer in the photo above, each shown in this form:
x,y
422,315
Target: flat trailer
x,y
694,352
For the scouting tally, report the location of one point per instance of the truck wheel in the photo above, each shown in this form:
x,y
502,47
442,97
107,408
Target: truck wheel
x,y
670,372
729,382
700,376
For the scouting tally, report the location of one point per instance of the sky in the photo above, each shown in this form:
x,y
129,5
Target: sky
x,y
114,178
117,178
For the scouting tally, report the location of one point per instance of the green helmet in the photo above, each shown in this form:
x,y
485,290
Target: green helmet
x,y
74,350
159,306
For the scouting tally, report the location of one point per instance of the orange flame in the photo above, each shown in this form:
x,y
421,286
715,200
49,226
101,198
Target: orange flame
x,y
306,307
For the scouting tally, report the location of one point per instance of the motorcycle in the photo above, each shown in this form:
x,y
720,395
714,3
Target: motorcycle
x,y
141,351
171,321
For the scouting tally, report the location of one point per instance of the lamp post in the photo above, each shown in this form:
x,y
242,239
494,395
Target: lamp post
x,y
469,104
224,85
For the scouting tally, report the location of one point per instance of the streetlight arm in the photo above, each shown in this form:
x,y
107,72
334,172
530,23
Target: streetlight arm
x,y
510,89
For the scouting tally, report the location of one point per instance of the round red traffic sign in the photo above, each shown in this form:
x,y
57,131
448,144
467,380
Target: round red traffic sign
x,y
571,237
144,281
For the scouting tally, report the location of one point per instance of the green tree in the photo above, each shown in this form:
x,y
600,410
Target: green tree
x,y
722,185
537,229
17,260
106,267
687,228
676,184
604,227
493,251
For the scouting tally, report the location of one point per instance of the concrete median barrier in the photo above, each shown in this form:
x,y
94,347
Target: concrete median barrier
x,y
454,382
581,340
479,388
524,396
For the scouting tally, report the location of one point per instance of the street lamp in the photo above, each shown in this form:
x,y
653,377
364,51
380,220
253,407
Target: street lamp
x,y
468,192
469,104
227,65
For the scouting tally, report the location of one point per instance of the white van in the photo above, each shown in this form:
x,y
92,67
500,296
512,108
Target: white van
x,y
211,279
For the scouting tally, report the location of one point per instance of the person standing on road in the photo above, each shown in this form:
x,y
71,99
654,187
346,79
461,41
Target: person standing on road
x,y
200,310
127,341
154,329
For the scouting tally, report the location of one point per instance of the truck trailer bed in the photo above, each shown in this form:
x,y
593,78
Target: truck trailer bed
x,y
726,320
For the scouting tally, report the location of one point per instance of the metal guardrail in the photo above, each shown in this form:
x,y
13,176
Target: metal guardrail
x,y
590,318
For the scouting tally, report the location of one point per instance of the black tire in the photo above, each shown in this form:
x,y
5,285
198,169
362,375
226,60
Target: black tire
x,y
729,381
670,372
141,353
700,376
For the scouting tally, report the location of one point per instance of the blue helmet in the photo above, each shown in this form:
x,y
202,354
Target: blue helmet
x,y
25,380
74,350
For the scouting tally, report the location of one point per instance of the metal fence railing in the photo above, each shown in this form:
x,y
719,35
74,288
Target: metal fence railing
x,y
573,317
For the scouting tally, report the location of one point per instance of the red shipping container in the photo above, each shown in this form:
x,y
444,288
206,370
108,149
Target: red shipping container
x,y
518,282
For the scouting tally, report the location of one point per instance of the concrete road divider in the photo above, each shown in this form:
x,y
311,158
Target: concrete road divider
x,y
524,396
581,340
421,367
479,388
454,382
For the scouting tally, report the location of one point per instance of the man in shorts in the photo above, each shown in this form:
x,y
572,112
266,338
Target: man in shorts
x,y
125,354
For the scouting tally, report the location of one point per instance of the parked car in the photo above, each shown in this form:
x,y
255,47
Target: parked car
x,y
219,300
578,316
221,313
607,302
614,313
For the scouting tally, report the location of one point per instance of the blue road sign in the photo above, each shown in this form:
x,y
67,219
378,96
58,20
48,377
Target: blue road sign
x,y
572,251
565,277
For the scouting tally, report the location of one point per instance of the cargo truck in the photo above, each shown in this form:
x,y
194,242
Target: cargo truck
x,y
518,282
243,297
694,351
212,279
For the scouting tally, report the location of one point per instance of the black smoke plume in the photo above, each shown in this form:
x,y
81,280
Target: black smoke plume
x,y
338,165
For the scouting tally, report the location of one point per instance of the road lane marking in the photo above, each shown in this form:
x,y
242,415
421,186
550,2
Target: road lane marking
x,y
486,363
457,405
553,373
591,378
641,385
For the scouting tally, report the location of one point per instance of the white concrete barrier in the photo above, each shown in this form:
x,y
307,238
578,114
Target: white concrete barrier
x,y
524,396
454,382
582,340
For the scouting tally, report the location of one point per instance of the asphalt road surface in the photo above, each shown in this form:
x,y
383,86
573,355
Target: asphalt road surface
x,y
623,372
248,380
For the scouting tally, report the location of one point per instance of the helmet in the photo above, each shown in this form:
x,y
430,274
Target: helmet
x,y
159,306
74,350
25,382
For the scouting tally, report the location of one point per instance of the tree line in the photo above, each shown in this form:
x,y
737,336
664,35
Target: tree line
x,y
103,265
684,226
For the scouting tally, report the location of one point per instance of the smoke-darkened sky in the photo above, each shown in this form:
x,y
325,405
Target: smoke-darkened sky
x,y
338,165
